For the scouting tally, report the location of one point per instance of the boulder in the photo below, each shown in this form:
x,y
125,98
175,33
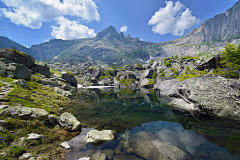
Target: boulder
x,y
63,92
3,68
96,137
159,80
99,156
150,147
44,70
6,61
69,79
208,94
22,58
106,82
147,74
49,82
22,83
22,72
25,112
210,63
116,83
96,74
69,122
124,157
145,83
66,76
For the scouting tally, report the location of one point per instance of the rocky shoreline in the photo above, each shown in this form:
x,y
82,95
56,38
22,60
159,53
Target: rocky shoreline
x,y
187,83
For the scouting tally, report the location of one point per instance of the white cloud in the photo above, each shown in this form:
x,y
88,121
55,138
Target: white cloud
x,y
123,28
67,29
25,46
173,19
31,13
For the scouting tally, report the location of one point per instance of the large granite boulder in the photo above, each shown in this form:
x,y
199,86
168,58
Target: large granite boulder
x,y
145,83
25,112
17,71
150,147
69,122
44,70
97,137
3,68
22,58
147,73
70,79
209,94
210,63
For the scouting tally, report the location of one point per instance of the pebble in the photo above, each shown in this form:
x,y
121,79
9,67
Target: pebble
x,y
85,158
65,145
34,136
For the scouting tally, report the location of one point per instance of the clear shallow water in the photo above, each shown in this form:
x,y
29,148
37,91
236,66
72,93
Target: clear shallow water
x,y
199,136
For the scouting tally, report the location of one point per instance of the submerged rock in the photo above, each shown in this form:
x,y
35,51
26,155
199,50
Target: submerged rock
x,y
150,147
96,137
68,121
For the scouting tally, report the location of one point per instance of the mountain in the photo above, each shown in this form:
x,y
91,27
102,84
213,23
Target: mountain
x,y
112,47
5,42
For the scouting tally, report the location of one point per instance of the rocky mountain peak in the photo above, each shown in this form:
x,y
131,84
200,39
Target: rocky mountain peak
x,y
109,33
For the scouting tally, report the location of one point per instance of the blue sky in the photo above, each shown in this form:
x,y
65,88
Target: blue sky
x,y
29,22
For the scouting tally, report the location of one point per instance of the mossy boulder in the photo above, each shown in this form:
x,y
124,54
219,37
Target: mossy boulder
x,y
25,112
69,122
19,57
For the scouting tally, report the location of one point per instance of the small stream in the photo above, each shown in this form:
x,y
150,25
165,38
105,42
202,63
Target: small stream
x,y
128,112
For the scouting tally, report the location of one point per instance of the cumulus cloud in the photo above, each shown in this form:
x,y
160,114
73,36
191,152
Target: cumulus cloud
x,y
124,28
67,29
31,13
173,19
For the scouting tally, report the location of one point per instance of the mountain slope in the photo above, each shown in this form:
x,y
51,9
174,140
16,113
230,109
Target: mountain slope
x,y
112,47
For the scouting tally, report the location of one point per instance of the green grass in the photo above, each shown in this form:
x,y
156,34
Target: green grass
x,y
127,82
151,81
19,52
35,96
189,57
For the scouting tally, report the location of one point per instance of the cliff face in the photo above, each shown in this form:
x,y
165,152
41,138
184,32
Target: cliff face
x,y
221,27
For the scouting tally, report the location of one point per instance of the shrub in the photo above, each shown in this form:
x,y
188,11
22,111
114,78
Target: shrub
x,y
162,74
167,63
154,75
189,57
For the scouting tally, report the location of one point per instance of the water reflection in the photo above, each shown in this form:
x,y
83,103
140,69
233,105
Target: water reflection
x,y
129,113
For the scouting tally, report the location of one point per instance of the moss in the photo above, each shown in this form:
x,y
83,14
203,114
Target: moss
x,y
127,91
127,82
70,73
15,151
19,52
6,79
92,68
151,81
189,57
36,77
36,96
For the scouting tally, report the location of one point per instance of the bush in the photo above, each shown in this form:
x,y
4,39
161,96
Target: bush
x,y
231,62
162,74
189,57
